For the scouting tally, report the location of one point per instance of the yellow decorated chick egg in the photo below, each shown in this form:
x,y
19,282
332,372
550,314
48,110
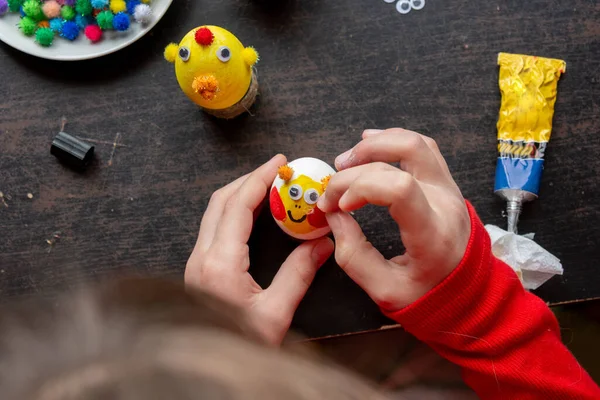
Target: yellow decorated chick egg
x,y
294,195
214,69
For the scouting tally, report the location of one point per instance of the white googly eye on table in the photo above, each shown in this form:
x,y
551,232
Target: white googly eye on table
x,y
404,6
389,1
311,196
417,4
224,54
295,192
184,53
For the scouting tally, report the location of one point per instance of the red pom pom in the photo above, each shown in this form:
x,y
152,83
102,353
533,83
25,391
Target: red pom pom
x,y
204,37
93,32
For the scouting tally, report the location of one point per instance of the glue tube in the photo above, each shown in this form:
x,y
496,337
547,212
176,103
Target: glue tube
x,y
528,85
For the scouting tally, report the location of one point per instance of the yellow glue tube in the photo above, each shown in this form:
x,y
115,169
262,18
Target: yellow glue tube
x,y
528,85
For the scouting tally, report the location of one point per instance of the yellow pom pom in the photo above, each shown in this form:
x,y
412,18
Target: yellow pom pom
x,y
117,6
145,1
171,52
250,56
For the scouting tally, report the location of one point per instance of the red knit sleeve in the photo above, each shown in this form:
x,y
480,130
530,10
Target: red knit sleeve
x,y
506,340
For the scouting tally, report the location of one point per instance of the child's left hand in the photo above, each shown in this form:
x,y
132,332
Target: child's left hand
x,y
220,260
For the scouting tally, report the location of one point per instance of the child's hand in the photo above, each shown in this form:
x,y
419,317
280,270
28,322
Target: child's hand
x,y
220,260
421,197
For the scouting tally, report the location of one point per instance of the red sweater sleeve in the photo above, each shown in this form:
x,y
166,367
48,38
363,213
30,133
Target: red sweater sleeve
x,y
506,340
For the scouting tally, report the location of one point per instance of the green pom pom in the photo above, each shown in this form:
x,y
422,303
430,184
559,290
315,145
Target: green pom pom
x,y
15,5
105,20
44,36
27,25
33,9
67,12
84,7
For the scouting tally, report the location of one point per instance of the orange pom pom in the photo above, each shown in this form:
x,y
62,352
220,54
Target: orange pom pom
x,y
285,172
206,86
325,182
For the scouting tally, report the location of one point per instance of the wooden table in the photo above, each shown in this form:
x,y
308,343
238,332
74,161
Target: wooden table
x,y
329,69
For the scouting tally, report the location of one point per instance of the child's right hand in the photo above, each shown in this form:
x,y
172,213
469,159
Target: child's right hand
x,y
421,197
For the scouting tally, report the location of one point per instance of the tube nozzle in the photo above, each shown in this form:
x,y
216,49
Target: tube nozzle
x,y
513,210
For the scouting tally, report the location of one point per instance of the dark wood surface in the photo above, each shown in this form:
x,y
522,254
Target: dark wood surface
x,y
329,69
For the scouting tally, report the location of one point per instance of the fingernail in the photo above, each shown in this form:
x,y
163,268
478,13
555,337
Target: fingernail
x,y
322,251
344,159
321,202
371,132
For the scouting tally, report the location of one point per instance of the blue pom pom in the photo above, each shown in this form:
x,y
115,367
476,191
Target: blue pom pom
x,y
56,24
121,22
83,21
22,12
99,4
70,30
131,4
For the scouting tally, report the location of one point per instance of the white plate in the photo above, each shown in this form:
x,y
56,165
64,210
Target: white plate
x,y
81,48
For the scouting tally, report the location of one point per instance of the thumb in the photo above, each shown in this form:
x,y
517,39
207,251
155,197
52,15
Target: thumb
x,y
360,260
295,276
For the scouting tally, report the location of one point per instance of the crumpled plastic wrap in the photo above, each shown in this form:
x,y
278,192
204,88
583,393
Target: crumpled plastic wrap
x,y
533,264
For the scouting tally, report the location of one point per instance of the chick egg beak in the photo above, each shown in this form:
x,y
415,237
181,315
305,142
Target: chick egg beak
x,y
206,86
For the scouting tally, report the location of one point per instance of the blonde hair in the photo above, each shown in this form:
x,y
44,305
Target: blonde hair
x,y
146,340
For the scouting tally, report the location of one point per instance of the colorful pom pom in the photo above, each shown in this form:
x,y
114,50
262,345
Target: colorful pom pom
x,y
99,4
105,20
83,7
28,26
131,4
142,13
117,6
14,5
67,12
121,22
70,3
51,9
3,7
171,52
44,24
70,30
250,56
94,33
204,37
32,9
83,21
44,36
56,25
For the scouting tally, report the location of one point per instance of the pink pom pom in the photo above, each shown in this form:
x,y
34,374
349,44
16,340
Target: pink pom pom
x,y
61,2
93,32
51,9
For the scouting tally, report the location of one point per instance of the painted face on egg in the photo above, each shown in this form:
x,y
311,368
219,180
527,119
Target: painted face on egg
x,y
294,195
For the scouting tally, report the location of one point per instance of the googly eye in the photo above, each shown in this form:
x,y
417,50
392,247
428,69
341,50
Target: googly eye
x,y
184,54
417,4
224,54
403,6
311,196
295,192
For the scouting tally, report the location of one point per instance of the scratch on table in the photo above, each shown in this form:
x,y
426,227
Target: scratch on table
x,y
112,153
53,240
101,142
3,199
